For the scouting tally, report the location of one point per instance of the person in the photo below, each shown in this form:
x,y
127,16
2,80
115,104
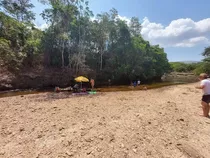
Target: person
x,y
138,82
92,82
76,88
205,86
134,83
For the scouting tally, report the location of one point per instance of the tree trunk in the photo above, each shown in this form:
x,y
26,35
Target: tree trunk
x,y
101,65
62,54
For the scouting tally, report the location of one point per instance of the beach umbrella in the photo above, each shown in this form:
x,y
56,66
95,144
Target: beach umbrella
x,y
81,79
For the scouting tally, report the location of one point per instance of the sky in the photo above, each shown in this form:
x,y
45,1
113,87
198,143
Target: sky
x,y
181,27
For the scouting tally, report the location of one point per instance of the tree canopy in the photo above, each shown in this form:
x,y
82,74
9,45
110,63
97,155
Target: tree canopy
x,y
102,46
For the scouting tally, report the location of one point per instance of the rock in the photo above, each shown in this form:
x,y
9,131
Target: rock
x,y
2,152
134,150
89,140
122,145
63,135
83,133
99,149
101,137
69,153
61,128
21,129
89,152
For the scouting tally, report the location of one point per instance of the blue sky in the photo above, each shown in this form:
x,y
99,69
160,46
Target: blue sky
x,y
182,27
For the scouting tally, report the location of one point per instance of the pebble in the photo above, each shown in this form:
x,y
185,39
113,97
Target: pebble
x,y
134,150
100,137
69,153
122,145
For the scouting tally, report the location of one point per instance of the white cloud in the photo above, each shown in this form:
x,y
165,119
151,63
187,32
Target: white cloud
x,y
124,18
43,26
179,33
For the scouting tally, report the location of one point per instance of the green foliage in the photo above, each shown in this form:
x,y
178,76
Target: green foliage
x,y
106,47
203,67
19,9
182,67
206,52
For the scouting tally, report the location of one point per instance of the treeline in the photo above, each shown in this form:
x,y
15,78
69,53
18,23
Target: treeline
x,y
197,68
183,67
104,47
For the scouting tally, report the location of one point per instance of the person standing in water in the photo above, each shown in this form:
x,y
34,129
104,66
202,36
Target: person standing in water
x,y
205,86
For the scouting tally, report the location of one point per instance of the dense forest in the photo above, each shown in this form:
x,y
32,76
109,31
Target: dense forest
x,y
102,46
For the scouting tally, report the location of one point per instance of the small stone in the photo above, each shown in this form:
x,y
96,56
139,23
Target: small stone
x,y
99,149
21,129
61,128
85,147
2,152
149,153
122,145
83,133
89,152
100,137
73,124
70,153
134,150
149,122
181,119
82,128
89,140
63,135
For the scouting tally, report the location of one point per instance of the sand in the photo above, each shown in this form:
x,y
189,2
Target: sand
x,y
158,123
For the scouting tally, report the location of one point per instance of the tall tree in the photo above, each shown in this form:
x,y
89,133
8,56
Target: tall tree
x,y
19,9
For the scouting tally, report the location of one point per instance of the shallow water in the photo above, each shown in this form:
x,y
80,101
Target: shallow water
x,y
103,89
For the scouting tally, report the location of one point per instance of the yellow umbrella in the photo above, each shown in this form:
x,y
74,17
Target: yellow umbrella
x,y
81,79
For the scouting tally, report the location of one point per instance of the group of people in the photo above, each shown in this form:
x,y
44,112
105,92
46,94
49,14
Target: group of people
x,y
79,88
136,83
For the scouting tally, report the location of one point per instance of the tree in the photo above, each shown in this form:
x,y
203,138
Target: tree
x,y
206,52
135,26
19,9
104,48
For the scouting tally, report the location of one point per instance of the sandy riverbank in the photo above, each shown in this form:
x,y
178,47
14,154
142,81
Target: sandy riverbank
x,y
159,123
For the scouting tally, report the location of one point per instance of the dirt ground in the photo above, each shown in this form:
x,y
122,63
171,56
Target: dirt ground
x,y
158,123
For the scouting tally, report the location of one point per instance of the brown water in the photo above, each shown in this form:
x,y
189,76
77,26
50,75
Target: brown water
x,y
103,89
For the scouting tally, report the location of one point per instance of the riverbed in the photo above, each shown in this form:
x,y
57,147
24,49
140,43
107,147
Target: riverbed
x,y
156,123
